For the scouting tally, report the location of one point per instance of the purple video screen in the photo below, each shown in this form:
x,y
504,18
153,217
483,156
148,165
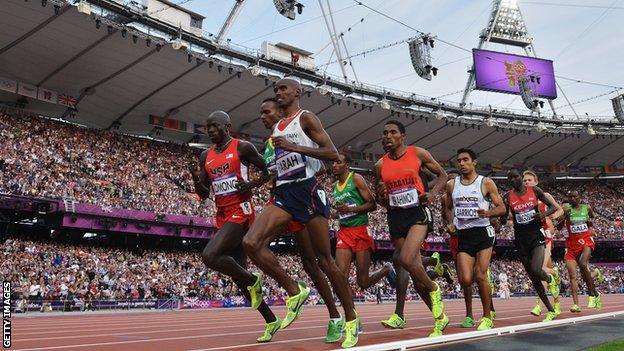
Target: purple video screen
x,y
501,72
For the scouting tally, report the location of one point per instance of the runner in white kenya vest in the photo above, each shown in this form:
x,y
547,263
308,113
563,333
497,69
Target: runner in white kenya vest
x,y
467,200
293,166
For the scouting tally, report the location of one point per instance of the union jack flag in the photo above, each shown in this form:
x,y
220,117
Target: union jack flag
x,y
67,100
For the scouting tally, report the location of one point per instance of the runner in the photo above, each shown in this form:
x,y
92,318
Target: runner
x,y
224,170
522,205
530,179
300,142
401,190
468,199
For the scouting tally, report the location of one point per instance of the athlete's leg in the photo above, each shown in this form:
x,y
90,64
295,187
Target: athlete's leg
x,y
256,244
216,254
319,229
465,270
481,270
410,259
584,268
571,266
362,265
241,258
402,279
537,275
344,257
310,266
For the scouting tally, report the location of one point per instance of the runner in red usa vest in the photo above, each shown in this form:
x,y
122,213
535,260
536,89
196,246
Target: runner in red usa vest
x,y
224,170
522,205
579,247
402,191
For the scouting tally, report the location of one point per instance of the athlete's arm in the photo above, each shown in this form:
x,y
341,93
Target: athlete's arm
x,y
200,177
312,126
590,212
432,165
491,191
559,212
551,206
369,202
382,194
447,207
507,214
249,155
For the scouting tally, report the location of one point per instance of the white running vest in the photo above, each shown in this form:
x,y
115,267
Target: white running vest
x,y
467,199
292,166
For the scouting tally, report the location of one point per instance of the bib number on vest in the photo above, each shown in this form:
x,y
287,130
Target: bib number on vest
x,y
467,212
579,228
225,186
525,217
404,198
289,165
246,207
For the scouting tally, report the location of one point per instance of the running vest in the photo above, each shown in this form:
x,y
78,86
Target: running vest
x,y
293,166
269,155
523,208
225,170
577,223
467,199
348,194
402,179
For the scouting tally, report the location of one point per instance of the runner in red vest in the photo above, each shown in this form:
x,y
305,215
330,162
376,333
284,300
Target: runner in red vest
x,y
223,170
522,204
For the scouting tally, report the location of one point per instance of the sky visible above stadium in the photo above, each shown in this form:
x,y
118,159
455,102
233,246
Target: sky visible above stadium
x,y
584,39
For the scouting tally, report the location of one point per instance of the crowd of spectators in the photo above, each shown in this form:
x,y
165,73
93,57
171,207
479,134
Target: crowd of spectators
x,y
44,271
40,157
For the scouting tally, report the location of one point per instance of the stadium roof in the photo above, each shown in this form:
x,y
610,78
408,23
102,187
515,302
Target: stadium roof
x,y
119,82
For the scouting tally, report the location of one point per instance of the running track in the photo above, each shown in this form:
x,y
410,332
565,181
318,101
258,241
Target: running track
x,y
225,329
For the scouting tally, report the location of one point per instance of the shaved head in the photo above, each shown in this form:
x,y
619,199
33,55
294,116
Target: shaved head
x,y
289,82
219,117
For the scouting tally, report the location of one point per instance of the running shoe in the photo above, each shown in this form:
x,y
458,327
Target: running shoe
x,y
537,310
493,315
351,333
269,330
256,292
334,330
485,324
591,303
447,274
598,302
599,276
394,322
550,316
438,266
575,308
553,286
468,322
295,305
440,325
490,281
437,306
557,307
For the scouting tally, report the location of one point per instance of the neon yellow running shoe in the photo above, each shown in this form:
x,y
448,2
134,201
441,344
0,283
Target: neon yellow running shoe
x,y
440,325
352,331
295,305
438,266
490,282
557,307
591,303
553,286
394,322
575,308
437,306
485,324
598,302
269,330
256,292
537,310
599,276
550,316
493,315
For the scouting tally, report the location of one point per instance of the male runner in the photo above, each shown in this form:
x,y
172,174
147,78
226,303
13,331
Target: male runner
x,y
530,179
353,200
468,199
522,204
579,247
224,169
300,142
270,115
401,190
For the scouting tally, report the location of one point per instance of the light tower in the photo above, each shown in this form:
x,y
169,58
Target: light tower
x,y
505,26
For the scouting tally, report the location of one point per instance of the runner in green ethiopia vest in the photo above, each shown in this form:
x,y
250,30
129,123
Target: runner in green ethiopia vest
x,y
348,194
579,215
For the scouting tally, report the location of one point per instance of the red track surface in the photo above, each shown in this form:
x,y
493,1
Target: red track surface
x,y
223,329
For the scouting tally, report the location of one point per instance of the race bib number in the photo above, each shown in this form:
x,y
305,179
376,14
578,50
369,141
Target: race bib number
x,y
525,217
404,198
466,212
579,228
490,231
225,186
246,206
290,165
